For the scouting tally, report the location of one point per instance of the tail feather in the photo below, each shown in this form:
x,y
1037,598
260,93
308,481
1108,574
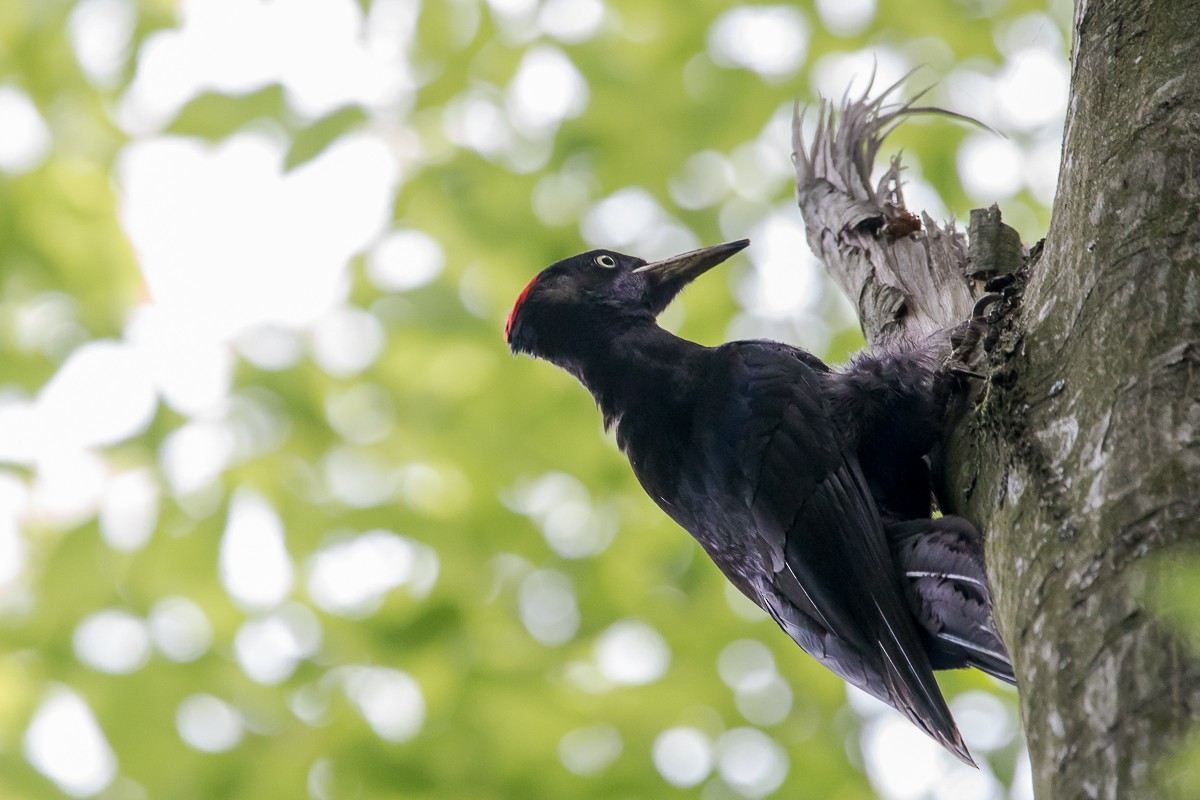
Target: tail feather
x,y
948,592
992,662
915,693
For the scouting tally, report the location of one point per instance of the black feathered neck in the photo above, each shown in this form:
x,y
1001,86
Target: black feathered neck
x,y
638,368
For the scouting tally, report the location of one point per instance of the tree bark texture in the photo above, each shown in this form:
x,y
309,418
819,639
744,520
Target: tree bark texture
x,y
1079,453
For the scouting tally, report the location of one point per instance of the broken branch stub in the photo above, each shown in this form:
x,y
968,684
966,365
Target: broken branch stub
x,y
907,280
996,249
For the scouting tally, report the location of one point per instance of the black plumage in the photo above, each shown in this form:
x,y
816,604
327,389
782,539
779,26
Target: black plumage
x,y
808,487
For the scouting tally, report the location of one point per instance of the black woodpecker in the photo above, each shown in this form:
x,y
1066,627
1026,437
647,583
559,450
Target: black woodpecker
x,y
807,487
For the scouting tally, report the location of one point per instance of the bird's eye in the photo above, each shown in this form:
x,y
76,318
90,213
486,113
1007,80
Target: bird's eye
x,y
606,261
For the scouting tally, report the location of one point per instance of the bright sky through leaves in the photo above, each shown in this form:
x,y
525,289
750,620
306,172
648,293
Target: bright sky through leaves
x,y
279,515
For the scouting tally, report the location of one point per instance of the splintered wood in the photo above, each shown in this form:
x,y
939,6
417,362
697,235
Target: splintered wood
x,y
908,280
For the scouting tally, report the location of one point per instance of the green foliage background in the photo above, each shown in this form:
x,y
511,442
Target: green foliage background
x,y
498,702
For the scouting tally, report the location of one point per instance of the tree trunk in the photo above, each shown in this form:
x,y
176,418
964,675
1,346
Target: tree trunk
x,y
1079,454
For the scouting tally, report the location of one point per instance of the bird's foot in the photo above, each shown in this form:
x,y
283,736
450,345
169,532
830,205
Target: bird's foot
x,y
964,340
1003,293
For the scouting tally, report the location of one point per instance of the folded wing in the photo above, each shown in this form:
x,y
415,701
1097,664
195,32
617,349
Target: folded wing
x,y
831,583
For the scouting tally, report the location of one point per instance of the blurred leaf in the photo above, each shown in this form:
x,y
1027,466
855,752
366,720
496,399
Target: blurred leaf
x,y
1173,591
309,142
214,116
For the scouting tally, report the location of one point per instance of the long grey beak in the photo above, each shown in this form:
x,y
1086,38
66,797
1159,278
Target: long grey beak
x,y
687,266
666,278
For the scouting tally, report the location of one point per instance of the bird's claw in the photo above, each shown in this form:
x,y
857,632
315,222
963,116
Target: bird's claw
x,y
957,369
964,339
981,305
962,371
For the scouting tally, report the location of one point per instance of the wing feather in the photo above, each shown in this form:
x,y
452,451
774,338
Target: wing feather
x,y
832,584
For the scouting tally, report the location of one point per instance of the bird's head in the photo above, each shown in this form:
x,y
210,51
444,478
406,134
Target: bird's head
x,y
573,301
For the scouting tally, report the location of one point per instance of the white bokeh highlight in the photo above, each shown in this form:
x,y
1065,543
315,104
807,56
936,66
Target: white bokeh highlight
x,y
836,74
631,653
218,46
760,693
113,641
13,551
785,278
180,629
560,198
347,340
68,487
269,347
771,40
475,119
745,663
571,21
705,180
563,510
359,478
389,700
49,323
546,90
351,576
194,454
623,219
100,395
1032,88
547,605
765,704
26,140
845,17
361,414
100,32
274,250
990,167
902,764
191,369
587,751
683,756
751,762
405,259
208,723
986,722
254,564
269,648
65,743
129,511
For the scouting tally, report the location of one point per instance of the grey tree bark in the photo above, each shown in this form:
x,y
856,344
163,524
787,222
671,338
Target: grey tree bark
x,y
1079,452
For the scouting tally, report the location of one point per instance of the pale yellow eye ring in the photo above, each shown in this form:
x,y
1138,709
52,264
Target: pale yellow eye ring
x,y
606,261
